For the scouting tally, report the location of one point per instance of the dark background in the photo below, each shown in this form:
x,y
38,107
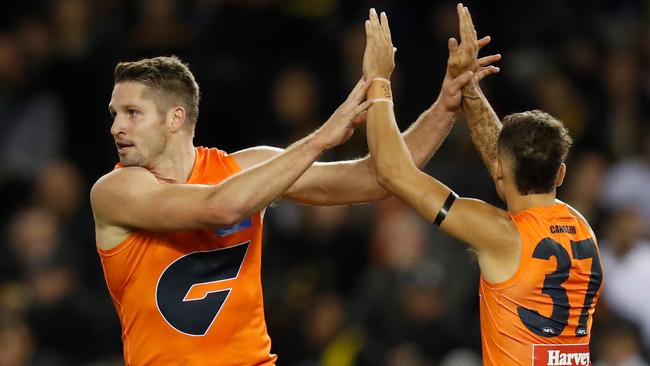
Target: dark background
x,y
363,285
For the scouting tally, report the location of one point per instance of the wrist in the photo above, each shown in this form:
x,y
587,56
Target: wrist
x,y
380,90
316,143
442,113
471,89
383,75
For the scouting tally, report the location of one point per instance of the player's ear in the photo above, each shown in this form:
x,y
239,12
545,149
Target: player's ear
x,y
560,175
498,169
176,118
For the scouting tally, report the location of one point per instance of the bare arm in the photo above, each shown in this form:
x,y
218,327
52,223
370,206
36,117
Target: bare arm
x,y
397,173
353,181
133,198
484,124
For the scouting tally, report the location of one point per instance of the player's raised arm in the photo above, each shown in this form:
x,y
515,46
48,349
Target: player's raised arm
x,y
134,198
354,181
397,173
484,124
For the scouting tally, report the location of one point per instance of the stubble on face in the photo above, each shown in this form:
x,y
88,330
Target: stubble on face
x,y
147,139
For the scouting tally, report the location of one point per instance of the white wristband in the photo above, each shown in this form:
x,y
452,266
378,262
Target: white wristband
x,y
381,100
381,79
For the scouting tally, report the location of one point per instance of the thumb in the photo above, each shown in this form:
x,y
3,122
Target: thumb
x,y
452,44
463,79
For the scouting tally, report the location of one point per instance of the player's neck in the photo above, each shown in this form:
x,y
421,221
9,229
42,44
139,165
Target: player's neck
x,y
177,163
517,202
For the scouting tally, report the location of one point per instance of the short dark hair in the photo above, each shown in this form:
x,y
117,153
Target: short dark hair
x,y
164,74
538,144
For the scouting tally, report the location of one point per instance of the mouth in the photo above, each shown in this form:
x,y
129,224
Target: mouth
x,y
123,147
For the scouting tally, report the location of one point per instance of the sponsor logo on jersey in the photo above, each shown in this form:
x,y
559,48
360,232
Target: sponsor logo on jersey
x,y
225,231
561,355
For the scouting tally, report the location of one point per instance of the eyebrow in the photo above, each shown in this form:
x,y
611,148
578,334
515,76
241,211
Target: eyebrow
x,y
125,107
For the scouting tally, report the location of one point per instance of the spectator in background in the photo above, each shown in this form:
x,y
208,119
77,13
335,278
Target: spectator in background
x,y
61,190
295,99
600,50
33,241
583,186
35,37
625,257
402,300
627,183
160,29
31,119
317,253
16,340
60,312
327,342
63,316
559,97
619,345
78,52
73,25
625,103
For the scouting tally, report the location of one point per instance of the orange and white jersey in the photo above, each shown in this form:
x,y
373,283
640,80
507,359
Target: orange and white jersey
x,y
543,314
192,297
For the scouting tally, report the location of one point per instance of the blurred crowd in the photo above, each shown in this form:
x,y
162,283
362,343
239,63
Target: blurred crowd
x,y
362,285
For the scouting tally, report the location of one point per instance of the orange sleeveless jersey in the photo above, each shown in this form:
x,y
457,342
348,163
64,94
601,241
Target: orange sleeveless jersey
x,y
543,314
192,297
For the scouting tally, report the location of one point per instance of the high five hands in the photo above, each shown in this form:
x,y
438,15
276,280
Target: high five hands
x,y
379,56
464,57
463,64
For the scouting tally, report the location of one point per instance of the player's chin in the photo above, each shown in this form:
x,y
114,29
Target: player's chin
x,y
125,161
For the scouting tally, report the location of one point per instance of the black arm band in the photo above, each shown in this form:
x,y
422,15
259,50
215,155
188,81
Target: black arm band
x,y
445,208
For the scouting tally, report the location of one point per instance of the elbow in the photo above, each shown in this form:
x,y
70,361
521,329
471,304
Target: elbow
x,y
225,214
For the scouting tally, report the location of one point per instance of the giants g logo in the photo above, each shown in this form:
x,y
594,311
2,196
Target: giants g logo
x,y
190,291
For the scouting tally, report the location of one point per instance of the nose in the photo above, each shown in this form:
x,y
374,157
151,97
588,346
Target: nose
x,y
117,127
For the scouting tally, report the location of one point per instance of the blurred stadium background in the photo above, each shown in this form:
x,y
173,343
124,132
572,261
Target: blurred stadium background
x,y
363,285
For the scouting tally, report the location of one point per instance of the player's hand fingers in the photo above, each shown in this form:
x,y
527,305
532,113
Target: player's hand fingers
x,y
362,108
488,60
360,118
360,88
468,38
368,30
461,21
470,23
484,41
458,82
360,93
452,44
374,20
486,71
385,27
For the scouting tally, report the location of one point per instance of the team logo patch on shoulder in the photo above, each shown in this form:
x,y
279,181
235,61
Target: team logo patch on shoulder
x,y
561,355
235,228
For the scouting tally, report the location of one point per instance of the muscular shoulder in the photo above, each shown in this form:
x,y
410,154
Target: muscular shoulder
x,y
117,186
255,155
